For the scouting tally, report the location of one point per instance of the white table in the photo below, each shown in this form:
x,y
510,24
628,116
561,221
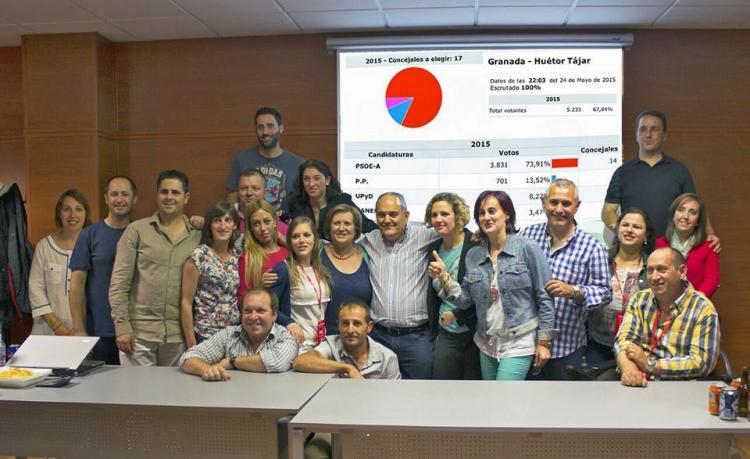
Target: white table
x,y
489,419
153,412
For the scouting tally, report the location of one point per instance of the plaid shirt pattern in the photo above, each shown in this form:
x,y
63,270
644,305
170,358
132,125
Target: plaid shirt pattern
x,y
689,349
277,351
581,261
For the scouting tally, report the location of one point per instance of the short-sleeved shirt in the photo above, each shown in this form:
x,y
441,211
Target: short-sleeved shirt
x,y
215,301
381,363
650,188
95,253
281,172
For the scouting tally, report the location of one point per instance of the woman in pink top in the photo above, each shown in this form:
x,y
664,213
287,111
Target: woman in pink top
x,y
261,250
686,232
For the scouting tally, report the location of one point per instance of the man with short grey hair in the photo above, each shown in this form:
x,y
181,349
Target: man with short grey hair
x,y
580,274
399,256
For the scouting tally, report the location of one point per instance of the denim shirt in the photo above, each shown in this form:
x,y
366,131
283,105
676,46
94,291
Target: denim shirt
x,y
521,274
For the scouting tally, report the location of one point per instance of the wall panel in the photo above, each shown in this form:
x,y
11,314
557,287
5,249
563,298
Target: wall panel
x,y
189,104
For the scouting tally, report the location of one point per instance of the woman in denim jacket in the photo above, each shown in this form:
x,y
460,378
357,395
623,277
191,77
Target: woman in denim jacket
x,y
504,280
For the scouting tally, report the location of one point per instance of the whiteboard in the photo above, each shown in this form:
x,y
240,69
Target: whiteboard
x,y
424,121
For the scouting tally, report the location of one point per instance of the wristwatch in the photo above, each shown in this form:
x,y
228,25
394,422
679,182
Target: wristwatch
x,y
577,290
651,365
231,362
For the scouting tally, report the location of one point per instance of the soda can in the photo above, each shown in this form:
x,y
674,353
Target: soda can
x,y
714,397
12,350
728,404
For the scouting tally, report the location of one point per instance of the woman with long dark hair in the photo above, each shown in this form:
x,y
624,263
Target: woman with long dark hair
x,y
316,191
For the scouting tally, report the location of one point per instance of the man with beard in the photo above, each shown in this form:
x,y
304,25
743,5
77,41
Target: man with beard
x,y
352,354
280,167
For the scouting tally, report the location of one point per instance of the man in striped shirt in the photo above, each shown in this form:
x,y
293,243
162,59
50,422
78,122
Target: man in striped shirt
x,y
580,276
259,344
669,331
399,256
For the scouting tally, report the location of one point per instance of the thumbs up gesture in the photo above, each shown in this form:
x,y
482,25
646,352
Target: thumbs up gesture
x,y
436,270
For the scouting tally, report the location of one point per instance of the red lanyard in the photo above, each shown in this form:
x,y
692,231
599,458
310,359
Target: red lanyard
x,y
315,286
619,285
656,339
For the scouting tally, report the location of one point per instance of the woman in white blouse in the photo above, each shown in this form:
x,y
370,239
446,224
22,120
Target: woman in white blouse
x,y
49,279
303,286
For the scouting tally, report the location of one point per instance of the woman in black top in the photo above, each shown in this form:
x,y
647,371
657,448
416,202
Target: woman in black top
x,y
316,191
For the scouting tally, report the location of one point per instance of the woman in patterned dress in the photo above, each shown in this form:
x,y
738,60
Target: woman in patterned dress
x,y
210,278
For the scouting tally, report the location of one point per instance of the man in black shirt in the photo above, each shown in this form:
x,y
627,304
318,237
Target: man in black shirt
x,y
652,180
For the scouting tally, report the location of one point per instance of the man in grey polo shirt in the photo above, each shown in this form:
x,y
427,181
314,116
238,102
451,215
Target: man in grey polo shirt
x,y
352,354
258,344
651,180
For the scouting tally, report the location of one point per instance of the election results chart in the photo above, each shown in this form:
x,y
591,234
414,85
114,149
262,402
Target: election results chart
x,y
464,121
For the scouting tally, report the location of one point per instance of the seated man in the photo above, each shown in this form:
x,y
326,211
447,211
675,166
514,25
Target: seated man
x,y
353,354
258,345
670,331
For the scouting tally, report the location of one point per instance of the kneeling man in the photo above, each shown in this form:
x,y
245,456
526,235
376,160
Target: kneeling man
x,y
352,354
670,331
258,345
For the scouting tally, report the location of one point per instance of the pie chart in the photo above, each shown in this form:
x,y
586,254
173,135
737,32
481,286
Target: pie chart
x,y
413,97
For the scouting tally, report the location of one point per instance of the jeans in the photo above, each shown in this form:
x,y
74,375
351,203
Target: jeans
x,y
507,369
106,350
456,356
597,353
414,351
554,370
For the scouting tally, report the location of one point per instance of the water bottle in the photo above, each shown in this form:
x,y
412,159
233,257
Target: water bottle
x,y
2,349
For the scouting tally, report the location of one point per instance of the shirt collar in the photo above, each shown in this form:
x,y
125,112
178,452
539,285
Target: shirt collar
x,y
371,357
677,304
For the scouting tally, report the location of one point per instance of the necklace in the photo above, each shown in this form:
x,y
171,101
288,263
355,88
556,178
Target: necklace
x,y
341,257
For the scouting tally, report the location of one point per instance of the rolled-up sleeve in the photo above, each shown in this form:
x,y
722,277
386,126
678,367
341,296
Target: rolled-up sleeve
x,y
122,280
597,291
210,351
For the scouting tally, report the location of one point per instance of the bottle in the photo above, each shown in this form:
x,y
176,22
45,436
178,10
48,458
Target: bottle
x,y
743,390
2,349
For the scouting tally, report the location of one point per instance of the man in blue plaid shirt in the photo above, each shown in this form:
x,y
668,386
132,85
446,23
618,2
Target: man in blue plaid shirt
x,y
580,275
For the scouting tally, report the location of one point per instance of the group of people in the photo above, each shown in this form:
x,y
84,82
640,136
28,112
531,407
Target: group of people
x,y
294,275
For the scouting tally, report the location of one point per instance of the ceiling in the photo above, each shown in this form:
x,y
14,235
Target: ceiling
x,y
142,20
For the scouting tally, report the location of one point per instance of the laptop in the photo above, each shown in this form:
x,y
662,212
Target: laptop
x,y
65,355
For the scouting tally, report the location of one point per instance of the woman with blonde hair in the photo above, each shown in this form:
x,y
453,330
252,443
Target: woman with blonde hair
x,y
261,250
456,356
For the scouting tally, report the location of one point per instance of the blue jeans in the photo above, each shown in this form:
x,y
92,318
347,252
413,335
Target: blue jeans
x,y
554,370
597,353
414,351
507,369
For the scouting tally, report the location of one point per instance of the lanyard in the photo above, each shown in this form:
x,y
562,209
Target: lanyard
x,y
656,339
619,285
317,288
